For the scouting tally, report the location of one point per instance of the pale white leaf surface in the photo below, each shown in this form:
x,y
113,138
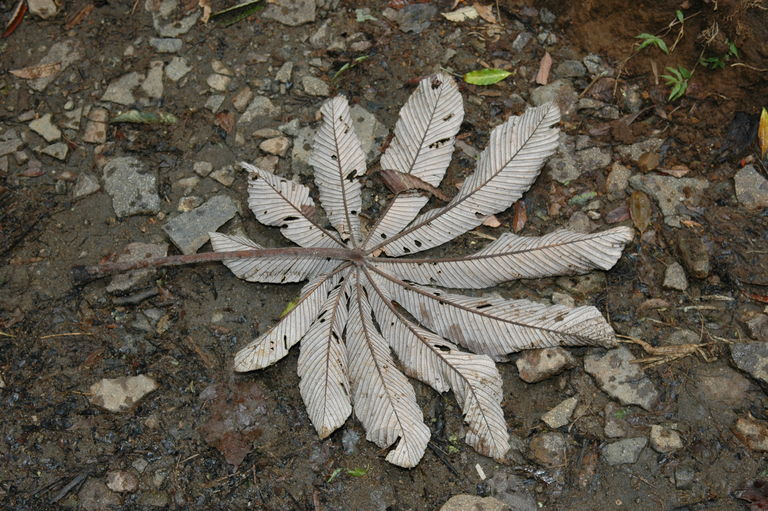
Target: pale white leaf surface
x,y
400,212
506,169
383,399
323,365
338,160
513,257
279,202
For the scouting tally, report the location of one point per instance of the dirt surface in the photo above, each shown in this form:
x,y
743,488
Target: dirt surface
x,y
207,438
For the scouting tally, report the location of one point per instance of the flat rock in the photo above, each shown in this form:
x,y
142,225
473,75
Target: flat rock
x,y
751,188
670,193
96,127
120,90
165,44
758,327
560,415
277,145
615,425
283,74
120,394
291,12
136,251
45,128
752,358
665,440
175,28
674,277
560,92
465,502
218,82
721,385
122,481
132,187
549,449
315,86
189,231
570,69
538,365
368,129
86,184
513,491
243,97
753,432
177,69
413,18
10,142
635,151
95,496
694,253
224,175
59,150
43,8
568,163
624,451
260,107
64,53
615,373
618,180
152,85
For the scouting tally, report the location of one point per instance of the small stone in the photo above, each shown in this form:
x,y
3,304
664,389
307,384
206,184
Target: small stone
x,y
674,277
537,365
321,36
95,496
618,180
283,74
267,133
187,184
177,69
96,127
202,168
165,44
694,253
752,432
624,451
120,394
58,150
615,424
10,142
635,151
670,193
560,415
214,102
315,86
549,449
189,231
758,327
140,465
570,69
268,163
220,68
291,12
665,440
152,86
596,65
368,129
546,16
615,373
521,41
752,358
122,481
413,18
465,502
157,499
559,91
242,98
132,187
189,202
349,440
648,161
175,28
43,8
277,146
120,90
751,188
45,128
563,299
218,82
224,175
64,53
125,282
260,107
684,477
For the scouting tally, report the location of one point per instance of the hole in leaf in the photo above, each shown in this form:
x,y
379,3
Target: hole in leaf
x,y
436,83
383,235
334,157
483,306
448,117
417,243
290,218
406,250
442,347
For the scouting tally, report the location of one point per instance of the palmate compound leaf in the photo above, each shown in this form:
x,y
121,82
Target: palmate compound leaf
x,y
358,308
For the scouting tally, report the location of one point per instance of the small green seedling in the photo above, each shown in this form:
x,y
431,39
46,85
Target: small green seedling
x,y
678,80
349,65
719,62
650,39
354,472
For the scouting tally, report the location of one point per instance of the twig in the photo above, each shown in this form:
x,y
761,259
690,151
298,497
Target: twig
x,y
66,334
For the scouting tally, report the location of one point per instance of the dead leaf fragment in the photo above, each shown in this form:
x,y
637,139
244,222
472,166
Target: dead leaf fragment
x,y
520,216
35,72
492,221
542,77
640,210
16,18
79,17
399,182
762,132
226,121
485,12
676,171
206,6
459,15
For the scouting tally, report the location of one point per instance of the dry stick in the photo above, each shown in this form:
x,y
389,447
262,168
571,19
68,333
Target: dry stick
x,y
85,274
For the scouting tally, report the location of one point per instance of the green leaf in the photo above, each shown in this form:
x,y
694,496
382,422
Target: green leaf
x,y
649,39
139,117
733,51
680,16
335,474
684,72
361,16
357,472
230,16
486,76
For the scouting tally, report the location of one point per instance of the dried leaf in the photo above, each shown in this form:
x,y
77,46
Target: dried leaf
x,y
399,182
762,132
542,77
79,17
520,217
676,171
226,121
206,6
462,14
492,221
486,76
640,210
486,12
756,493
16,18
139,117
34,72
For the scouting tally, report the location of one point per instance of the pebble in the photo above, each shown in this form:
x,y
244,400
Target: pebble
x,y
268,163
549,449
10,142
175,28
752,432
617,181
214,102
751,188
277,146
187,184
758,327
624,451
413,18
95,496
521,41
648,161
752,358
694,253
266,133
560,415
45,128
321,36
546,16
120,90
615,425
132,187
224,175
260,107
560,91
669,193
538,365
96,127
368,129
512,490
43,8
684,477
242,98
189,231
665,440
291,12
218,82
596,65
349,440
615,374
674,277
59,150
152,86
124,282
165,44
284,73
570,69
466,502
177,69
202,168
157,499
315,86
635,151
120,394
122,481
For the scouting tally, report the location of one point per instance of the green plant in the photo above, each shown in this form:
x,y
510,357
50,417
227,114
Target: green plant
x,y
678,80
719,62
650,39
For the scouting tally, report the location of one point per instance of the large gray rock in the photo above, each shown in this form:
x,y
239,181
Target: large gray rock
x,y
132,187
624,451
290,12
560,92
670,193
752,358
189,231
120,394
751,188
620,378
368,129
120,90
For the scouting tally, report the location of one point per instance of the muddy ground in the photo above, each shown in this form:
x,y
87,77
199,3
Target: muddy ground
x,y
181,446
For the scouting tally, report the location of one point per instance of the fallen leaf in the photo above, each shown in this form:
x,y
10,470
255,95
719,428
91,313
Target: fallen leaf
x,y
459,15
485,12
542,77
399,182
640,210
676,171
619,214
520,217
486,76
756,494
16,18
491,221
762,132
35,72
79,17
654,303
206,6
226,121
